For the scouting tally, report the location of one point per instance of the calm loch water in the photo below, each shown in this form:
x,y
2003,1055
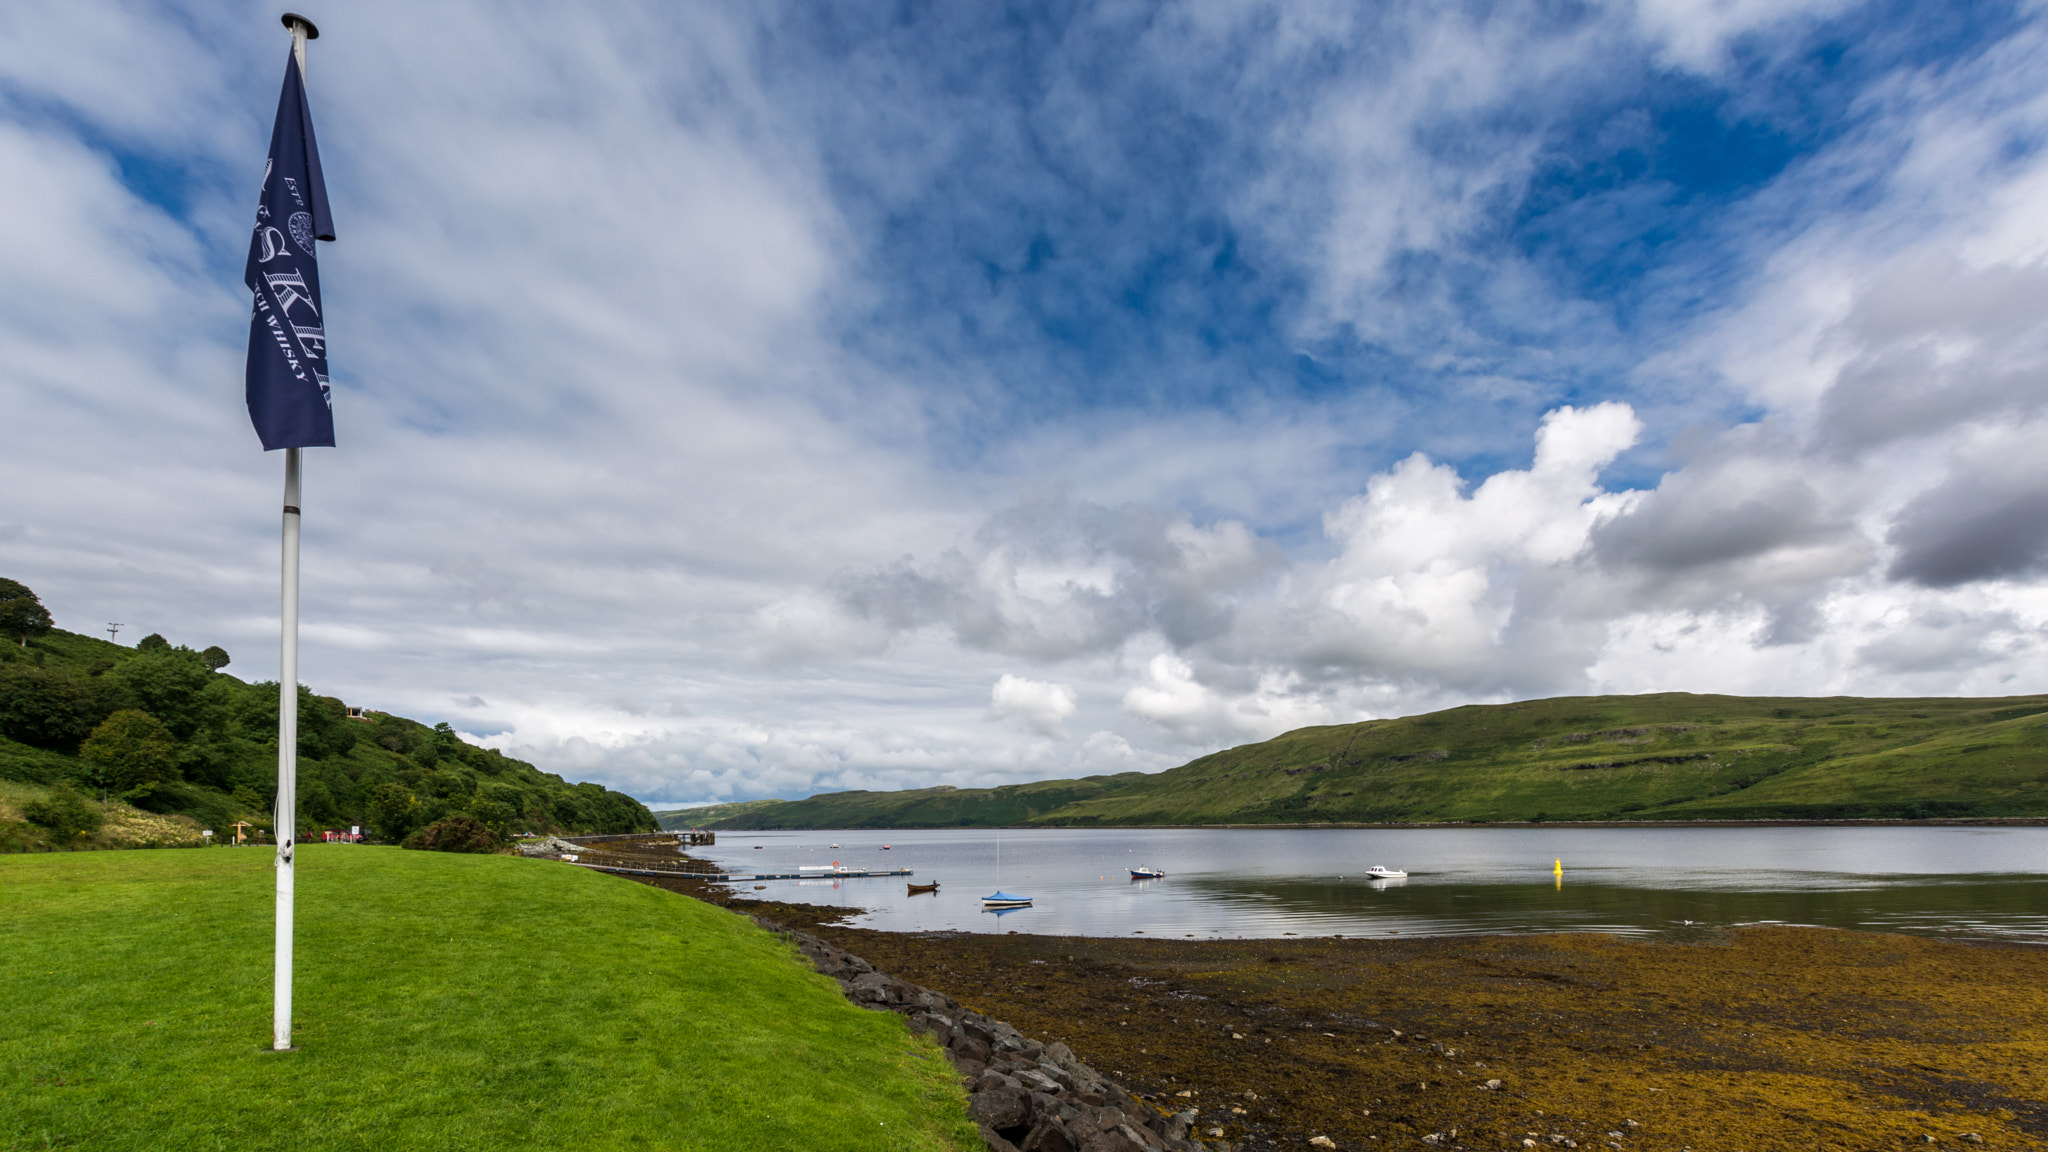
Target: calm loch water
x,y
1272,882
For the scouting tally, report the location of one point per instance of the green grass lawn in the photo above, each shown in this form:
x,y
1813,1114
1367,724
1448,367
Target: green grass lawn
x,y
443,1002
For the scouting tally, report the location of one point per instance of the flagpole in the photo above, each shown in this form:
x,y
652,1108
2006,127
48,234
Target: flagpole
x,y
287,823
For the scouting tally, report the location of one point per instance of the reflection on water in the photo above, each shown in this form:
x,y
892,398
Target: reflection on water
x,y
1259,882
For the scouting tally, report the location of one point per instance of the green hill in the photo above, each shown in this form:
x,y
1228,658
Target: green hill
x,y
941,807
700,817
213,756
1668,756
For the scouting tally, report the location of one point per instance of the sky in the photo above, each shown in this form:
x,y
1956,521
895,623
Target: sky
x,y
747,400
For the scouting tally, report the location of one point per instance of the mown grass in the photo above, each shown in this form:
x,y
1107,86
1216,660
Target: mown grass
x,y
443,1002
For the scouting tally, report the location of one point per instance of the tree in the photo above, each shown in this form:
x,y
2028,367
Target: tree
x,y
170,686
45,708
394,812
22,615
216,658
154,642
129,749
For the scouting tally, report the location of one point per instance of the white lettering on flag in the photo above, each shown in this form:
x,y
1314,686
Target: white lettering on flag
x,y
290,288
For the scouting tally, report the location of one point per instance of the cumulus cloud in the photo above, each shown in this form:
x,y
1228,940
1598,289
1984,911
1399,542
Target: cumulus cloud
x,y
1042,706
1986,520
1055,579
730,397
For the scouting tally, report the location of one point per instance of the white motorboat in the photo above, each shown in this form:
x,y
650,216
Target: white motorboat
x,y
1382,872
1143,872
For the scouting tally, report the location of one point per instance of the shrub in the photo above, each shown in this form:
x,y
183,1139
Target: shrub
x,y
64,812
216,658
455,834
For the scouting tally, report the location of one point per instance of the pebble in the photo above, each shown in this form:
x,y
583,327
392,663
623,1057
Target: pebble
x,y
1321,1142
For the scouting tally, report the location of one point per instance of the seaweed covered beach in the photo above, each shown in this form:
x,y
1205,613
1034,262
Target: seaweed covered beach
x,y
1747,1039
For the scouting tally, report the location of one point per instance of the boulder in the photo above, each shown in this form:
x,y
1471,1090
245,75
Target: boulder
x,y
965,1046
997,1109
1047,1136
1033,1078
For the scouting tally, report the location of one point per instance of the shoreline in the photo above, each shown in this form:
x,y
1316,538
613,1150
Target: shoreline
x,y
1756,1038
1788,822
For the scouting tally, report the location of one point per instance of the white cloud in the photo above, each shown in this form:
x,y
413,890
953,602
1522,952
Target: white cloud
x,y
1042,706
623,485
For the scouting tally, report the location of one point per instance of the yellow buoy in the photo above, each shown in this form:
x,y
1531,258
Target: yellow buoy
x,y
1560,868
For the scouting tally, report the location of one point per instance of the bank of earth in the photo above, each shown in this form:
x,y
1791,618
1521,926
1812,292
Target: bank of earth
x,y
1759,1038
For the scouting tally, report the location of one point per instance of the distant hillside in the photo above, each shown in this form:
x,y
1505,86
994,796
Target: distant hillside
x,y
211,756
941,807
703,817
1669,756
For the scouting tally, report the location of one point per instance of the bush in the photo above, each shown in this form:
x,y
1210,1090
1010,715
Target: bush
x,y
455,834
64,812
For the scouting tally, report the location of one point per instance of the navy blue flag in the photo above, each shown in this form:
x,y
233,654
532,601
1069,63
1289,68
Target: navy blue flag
x,y
288,396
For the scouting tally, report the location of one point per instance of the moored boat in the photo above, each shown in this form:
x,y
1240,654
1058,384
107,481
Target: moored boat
x,y
917,888
1142,872
1005,900
1382,872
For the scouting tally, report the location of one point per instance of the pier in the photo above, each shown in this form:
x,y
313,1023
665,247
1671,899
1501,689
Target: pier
x,y
679,836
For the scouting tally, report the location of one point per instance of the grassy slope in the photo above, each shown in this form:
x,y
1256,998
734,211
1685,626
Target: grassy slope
x,y
941,807
443,1002
702,817
1665,756
1671,756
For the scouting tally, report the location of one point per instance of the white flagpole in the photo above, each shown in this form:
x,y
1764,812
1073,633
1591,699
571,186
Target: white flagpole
x,y
288,696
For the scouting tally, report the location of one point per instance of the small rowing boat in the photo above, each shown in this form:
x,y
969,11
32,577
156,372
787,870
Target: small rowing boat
x,y
916,888
1381,872
1143,872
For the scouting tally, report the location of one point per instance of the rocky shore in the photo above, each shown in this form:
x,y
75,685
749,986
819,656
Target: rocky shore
x,y
1724,1039
1027,1096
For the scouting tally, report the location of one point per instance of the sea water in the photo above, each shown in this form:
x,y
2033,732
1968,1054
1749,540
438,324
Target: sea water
x,y
1972,881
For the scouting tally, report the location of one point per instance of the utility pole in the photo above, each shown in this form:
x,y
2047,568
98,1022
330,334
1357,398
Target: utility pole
x,y
114,632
